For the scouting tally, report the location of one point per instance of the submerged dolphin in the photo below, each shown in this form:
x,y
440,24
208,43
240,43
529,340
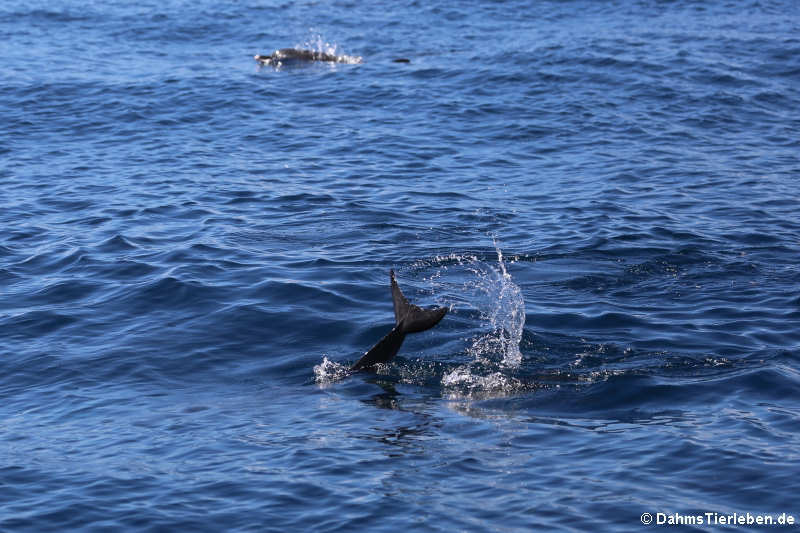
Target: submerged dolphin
x,y
278,57
409,318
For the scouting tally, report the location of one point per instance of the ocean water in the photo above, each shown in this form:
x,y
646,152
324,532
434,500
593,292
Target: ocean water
x,y
195,248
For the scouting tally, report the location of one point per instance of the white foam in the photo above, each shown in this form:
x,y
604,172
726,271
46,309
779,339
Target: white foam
x,y
328,372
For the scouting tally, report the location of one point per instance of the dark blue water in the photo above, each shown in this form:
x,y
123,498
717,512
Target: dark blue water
x,y
193,248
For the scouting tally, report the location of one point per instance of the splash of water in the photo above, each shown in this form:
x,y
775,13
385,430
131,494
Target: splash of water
x,y
492,292
328,372
318,44
507,315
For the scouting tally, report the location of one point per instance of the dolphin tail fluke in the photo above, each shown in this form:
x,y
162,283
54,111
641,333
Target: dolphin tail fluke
x,y
409,319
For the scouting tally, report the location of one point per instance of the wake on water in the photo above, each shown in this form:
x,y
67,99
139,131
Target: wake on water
x,y
465,282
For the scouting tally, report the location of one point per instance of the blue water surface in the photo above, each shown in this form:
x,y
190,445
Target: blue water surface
x,y
195,248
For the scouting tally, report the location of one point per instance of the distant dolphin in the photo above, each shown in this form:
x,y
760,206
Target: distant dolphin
x,y
409,319
284,55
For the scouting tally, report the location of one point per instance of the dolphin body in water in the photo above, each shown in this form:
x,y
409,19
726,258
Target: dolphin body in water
x,y
284,56
409,319
287,55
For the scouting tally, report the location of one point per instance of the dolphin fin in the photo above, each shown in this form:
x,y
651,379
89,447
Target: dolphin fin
x,y
409,319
